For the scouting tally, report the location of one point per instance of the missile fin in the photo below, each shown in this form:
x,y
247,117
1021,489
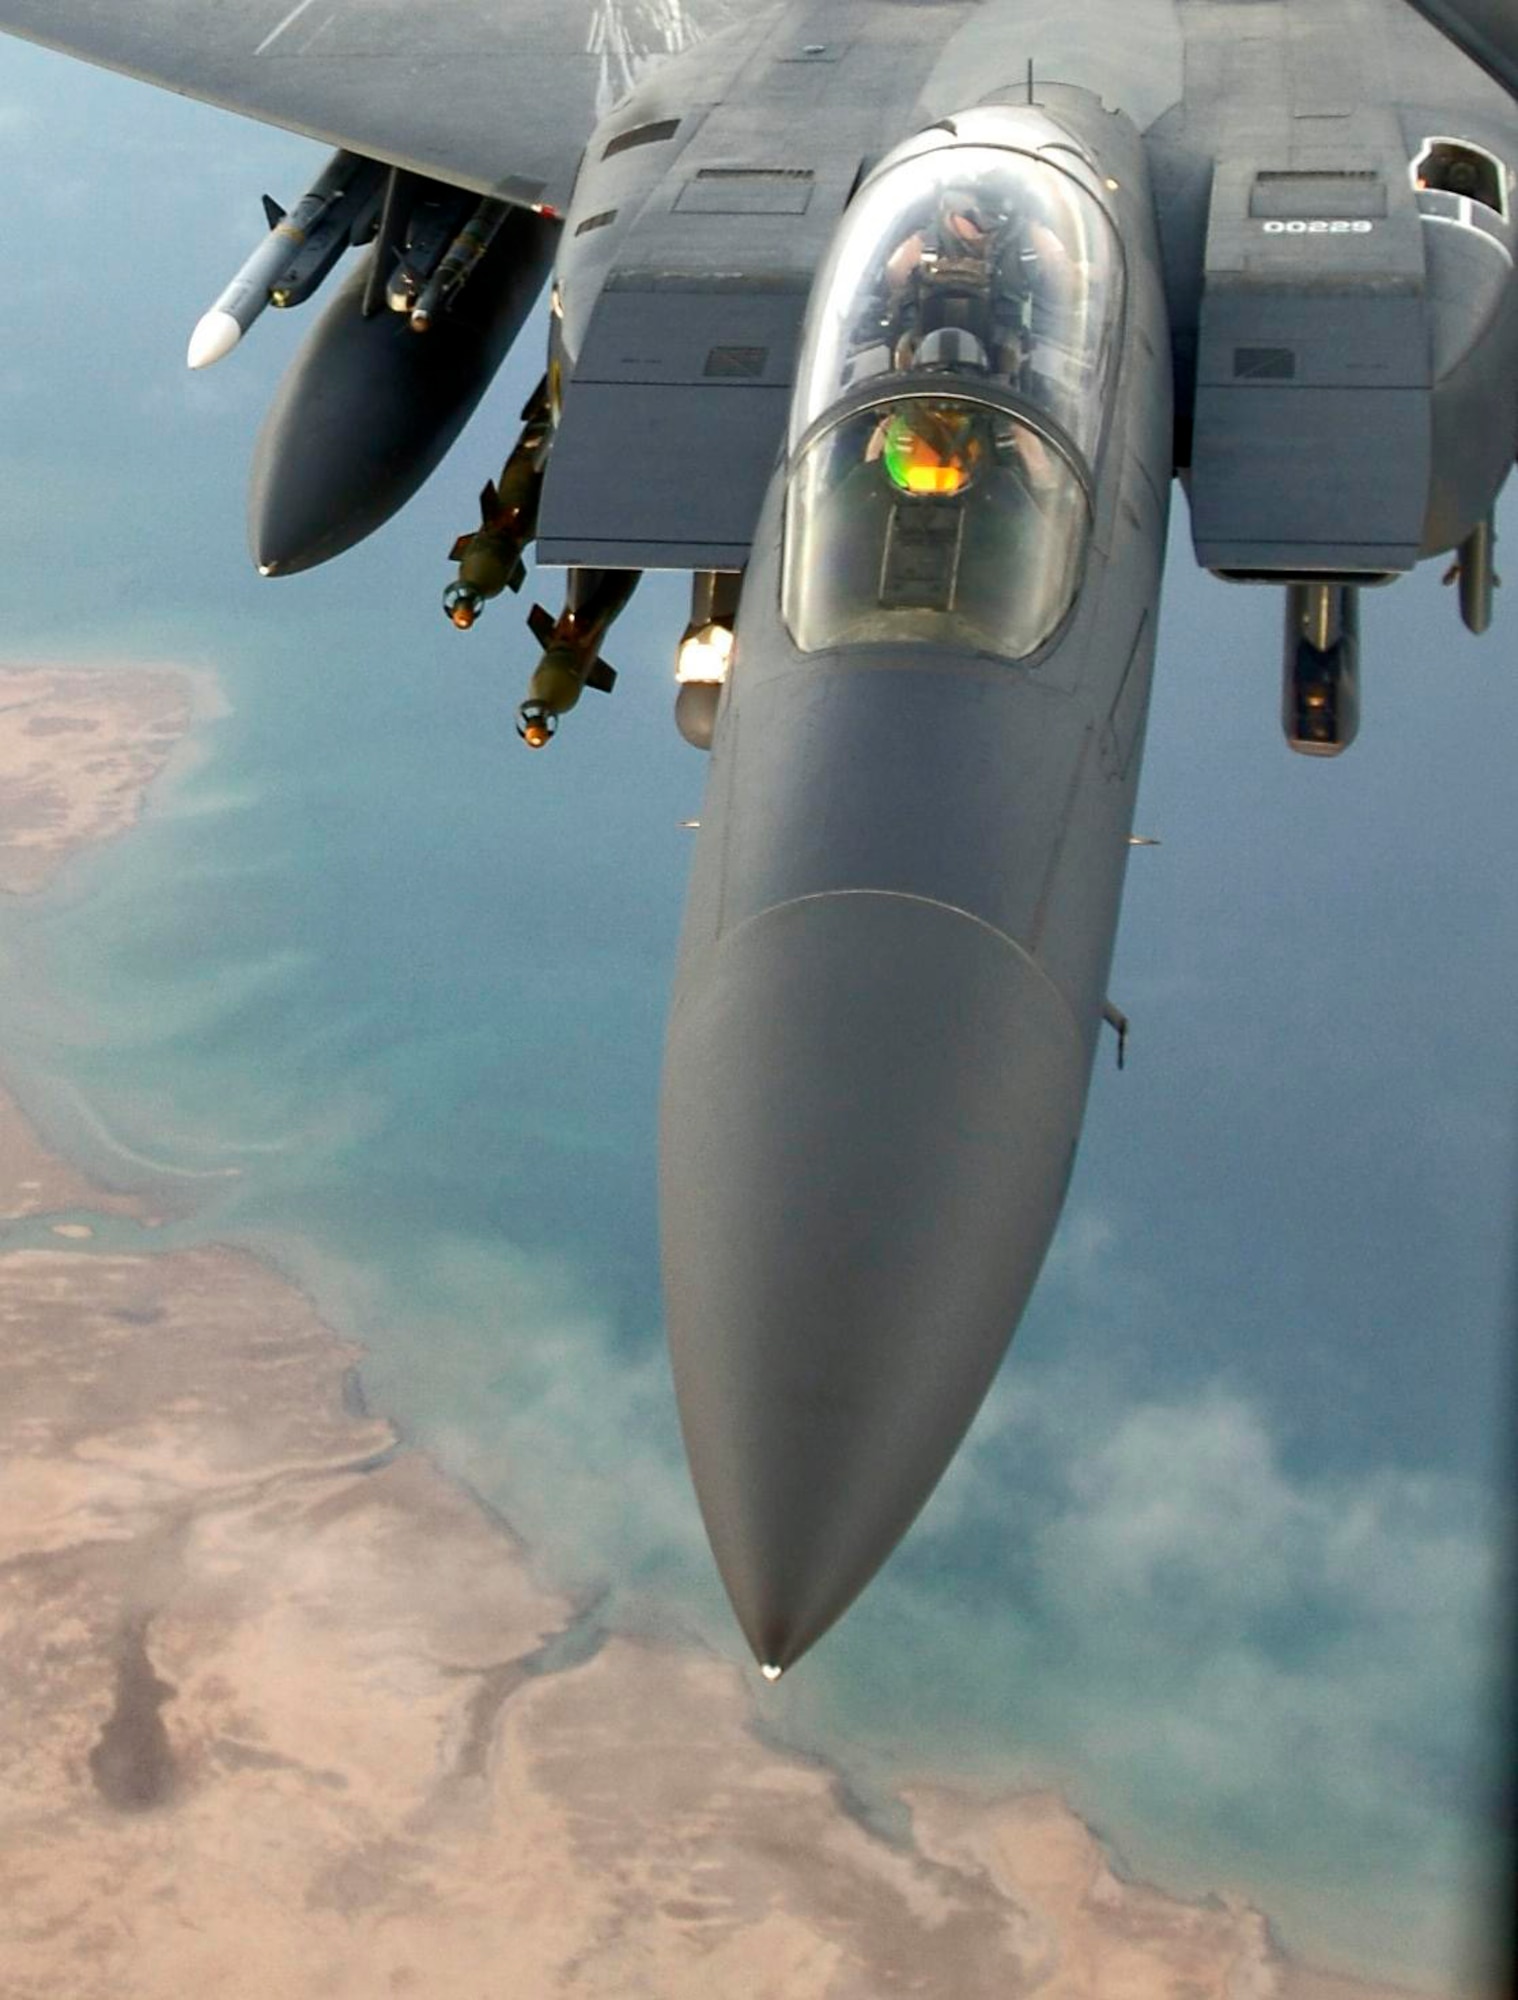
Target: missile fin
x,y
540,625
601,677
1117,1021
460,548
518,576
273,211
490,500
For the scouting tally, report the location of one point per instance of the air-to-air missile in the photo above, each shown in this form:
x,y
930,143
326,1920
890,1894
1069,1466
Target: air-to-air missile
x,y
1473,569
340,209
490,556
367,409
457,264
571,645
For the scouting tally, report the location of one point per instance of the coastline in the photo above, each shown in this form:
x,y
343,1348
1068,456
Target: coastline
x,y
292,1713
80,748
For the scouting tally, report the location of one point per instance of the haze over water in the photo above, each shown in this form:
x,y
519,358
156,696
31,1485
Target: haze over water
x,y
381,994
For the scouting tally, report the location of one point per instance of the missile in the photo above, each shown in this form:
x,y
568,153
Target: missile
x,y
490,556
1473,570
423,220
571,647
367,411
296,255
457,264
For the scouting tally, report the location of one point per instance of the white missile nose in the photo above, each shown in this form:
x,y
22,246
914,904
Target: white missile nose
x,y
216,334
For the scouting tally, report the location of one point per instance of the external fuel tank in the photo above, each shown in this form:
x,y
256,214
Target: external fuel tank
x,y
369,406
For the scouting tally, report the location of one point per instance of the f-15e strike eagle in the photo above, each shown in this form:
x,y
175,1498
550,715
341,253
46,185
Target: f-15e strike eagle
x,y
890,321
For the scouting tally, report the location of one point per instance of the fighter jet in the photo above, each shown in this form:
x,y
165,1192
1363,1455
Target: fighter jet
x,y
892,323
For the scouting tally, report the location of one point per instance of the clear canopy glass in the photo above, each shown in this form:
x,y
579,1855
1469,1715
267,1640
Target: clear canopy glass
x,y
974,261
964,330
932,520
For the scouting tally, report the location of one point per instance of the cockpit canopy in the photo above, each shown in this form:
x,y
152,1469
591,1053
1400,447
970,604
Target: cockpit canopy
x,y
951,395
994,265
936,521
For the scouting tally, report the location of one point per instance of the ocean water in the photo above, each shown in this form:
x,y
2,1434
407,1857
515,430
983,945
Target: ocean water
x,y
379,994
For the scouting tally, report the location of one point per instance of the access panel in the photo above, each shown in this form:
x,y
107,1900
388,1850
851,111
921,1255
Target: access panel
x,y
1312,440
671,428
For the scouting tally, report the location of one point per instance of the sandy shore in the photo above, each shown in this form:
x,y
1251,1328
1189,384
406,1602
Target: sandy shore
x,y
78,750
278,1721
286,1711
33,1182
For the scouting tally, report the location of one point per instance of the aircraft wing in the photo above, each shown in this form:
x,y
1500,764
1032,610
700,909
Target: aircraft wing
x,y
1486,30
497,95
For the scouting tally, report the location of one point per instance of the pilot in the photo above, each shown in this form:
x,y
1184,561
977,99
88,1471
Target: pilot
x,y
1005,275
965,228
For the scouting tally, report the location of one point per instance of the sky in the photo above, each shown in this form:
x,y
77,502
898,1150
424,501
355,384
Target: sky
x,y
386,993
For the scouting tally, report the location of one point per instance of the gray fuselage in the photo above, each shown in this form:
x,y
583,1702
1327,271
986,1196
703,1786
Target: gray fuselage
x,y
893,974
912,849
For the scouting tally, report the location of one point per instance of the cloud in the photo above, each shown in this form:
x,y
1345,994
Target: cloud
x,y
1291,1661
1201,1615
1271,1667
571,1428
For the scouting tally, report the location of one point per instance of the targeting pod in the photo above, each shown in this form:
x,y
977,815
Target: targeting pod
x,y
571,650
1320,692
706,654
490,557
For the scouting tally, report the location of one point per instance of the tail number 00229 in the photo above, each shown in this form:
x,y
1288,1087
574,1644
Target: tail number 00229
x,y
1317,228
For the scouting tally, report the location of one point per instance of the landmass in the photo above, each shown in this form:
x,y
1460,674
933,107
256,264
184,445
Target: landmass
x,y
287,1711
283,1717
79,748
33,1181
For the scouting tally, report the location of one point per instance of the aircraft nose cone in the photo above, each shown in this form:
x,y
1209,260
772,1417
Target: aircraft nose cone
x,y
871,1104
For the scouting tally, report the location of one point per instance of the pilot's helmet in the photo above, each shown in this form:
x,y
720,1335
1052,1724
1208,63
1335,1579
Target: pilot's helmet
x,y
931,448
967,218
952,347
